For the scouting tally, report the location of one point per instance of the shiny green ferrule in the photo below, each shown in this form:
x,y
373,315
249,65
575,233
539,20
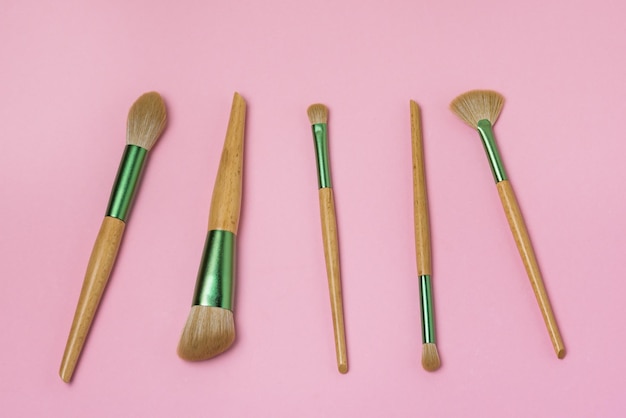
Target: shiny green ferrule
x,y
216,276
320,135
126,182
489,142
426,310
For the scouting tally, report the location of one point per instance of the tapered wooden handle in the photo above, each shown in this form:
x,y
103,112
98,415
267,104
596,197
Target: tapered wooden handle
x,y
518,228
98,271
226,200
331,252
420,199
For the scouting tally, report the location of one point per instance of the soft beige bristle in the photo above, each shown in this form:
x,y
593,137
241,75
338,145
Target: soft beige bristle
x,y
430,357
318,113
146,120
208,332
476,105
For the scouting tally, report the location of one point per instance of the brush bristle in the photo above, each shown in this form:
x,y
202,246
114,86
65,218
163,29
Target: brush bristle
x,y
146,120
430,357
318,113
477,105
208,332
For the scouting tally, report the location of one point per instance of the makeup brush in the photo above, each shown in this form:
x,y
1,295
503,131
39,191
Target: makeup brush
x,y
146,121
430,355
210,327
480,110
318,115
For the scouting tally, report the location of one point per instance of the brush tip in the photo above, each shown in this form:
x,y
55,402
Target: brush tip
x,y
476,105
343,368
318,113
238,99
208,332
430,357
65,375
146,120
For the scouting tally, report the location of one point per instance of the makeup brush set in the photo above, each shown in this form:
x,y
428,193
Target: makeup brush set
x,y
210,327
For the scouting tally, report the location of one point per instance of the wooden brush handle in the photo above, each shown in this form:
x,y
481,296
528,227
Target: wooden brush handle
x,y
518,228
420,199
226,200
331,252
98,271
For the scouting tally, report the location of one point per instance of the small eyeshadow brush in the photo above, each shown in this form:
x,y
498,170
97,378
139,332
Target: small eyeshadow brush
x,y
430,355
318,116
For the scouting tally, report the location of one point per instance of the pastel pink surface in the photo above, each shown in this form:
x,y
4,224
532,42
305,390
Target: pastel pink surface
x,y
70,71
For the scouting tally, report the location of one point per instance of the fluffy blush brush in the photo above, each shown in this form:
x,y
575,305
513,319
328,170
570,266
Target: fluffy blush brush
x,y
146,121
210,327
480,110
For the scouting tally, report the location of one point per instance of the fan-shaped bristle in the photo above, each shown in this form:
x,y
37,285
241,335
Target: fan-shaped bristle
x,y
146,120
318,113
430,357
208,332
476,105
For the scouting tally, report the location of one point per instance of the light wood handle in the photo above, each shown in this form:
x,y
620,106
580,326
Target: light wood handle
x,y
518,228
226,200
420,198
331,252
98,271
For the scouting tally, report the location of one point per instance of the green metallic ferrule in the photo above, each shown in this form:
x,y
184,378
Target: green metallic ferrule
x,y
320,135
126,182
489,142
216,276
426,309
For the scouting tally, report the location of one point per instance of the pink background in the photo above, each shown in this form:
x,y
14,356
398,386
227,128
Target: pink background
x,y
70,71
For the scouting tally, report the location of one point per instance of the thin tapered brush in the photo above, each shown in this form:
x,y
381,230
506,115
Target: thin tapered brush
x,y
318,116
430,355
480,110
210,327
146,121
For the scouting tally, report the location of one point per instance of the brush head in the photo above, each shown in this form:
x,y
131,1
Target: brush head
x,y
477,105
208,332
146,120
318,113
430,357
